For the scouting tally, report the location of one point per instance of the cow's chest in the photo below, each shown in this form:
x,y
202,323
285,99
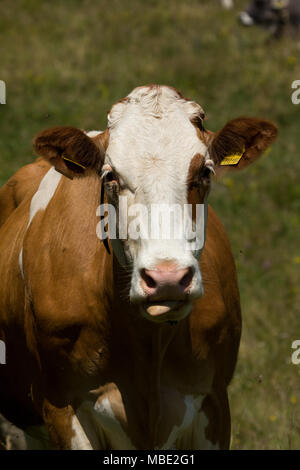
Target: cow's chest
x,y
174,421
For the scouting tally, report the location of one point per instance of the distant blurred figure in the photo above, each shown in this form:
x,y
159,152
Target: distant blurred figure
x,y
228,4
276,15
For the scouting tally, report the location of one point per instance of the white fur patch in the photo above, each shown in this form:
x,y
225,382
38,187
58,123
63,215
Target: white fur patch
x,y
192,405
151,145
92,134
2,352
191,433
21,263
114,432
104,429
152,142
45,193
101,425
79,441
40,201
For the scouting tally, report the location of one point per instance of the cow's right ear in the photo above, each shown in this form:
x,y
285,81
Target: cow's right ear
x,y
241,142
70,150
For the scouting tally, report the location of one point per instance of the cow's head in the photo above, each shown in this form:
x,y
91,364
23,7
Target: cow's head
x,y
156,152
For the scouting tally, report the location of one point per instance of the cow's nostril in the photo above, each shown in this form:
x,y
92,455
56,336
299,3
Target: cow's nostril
x,y
187,278
147,279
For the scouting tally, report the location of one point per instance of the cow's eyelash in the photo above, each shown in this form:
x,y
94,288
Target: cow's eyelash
x,y
198,121
209,168
103,175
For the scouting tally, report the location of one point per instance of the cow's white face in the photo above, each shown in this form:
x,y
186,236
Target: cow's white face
x,y
153,145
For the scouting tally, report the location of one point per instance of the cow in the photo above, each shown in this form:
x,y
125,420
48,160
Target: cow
x,y
124,342
275,15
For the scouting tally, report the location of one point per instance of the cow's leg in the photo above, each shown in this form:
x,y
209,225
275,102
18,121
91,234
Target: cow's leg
x,y
64,428
210,429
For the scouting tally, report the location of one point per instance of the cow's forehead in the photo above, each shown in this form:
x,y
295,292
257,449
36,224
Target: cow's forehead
x,y
152,137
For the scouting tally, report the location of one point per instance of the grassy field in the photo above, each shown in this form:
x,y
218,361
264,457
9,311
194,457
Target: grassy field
x,y
68,62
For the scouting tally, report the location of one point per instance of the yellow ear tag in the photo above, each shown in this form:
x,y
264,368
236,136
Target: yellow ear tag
x,y
232,159
75,163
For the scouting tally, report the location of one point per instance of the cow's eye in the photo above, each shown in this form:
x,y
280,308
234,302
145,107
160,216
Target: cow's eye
x,y
110,181
109,177
206,172
208,169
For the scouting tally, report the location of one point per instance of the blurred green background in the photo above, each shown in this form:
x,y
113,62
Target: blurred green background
x,y
66,63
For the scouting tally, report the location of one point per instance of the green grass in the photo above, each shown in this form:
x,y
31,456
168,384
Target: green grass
x,y
68,62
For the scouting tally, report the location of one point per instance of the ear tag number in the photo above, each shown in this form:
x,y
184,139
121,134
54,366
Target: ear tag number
x,y
232,159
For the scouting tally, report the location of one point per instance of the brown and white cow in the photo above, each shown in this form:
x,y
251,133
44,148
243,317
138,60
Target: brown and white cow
x,y
133,349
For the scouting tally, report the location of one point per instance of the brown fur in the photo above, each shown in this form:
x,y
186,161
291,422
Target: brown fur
x,y
252,134
22,185
73,143
198,185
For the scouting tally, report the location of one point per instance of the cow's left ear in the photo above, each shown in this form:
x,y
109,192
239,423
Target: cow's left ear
x,y
70,150
241,142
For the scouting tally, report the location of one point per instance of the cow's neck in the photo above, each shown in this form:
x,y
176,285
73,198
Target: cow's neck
x,y
141,340
138,352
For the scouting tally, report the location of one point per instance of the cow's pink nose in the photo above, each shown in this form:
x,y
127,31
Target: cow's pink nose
x,y
166,281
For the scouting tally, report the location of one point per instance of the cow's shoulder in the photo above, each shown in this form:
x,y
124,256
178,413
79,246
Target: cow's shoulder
x,y
21,186
26,180
217,261
215,321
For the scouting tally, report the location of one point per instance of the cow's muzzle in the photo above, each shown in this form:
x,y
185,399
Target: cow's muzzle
x,y
167,290
166,311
